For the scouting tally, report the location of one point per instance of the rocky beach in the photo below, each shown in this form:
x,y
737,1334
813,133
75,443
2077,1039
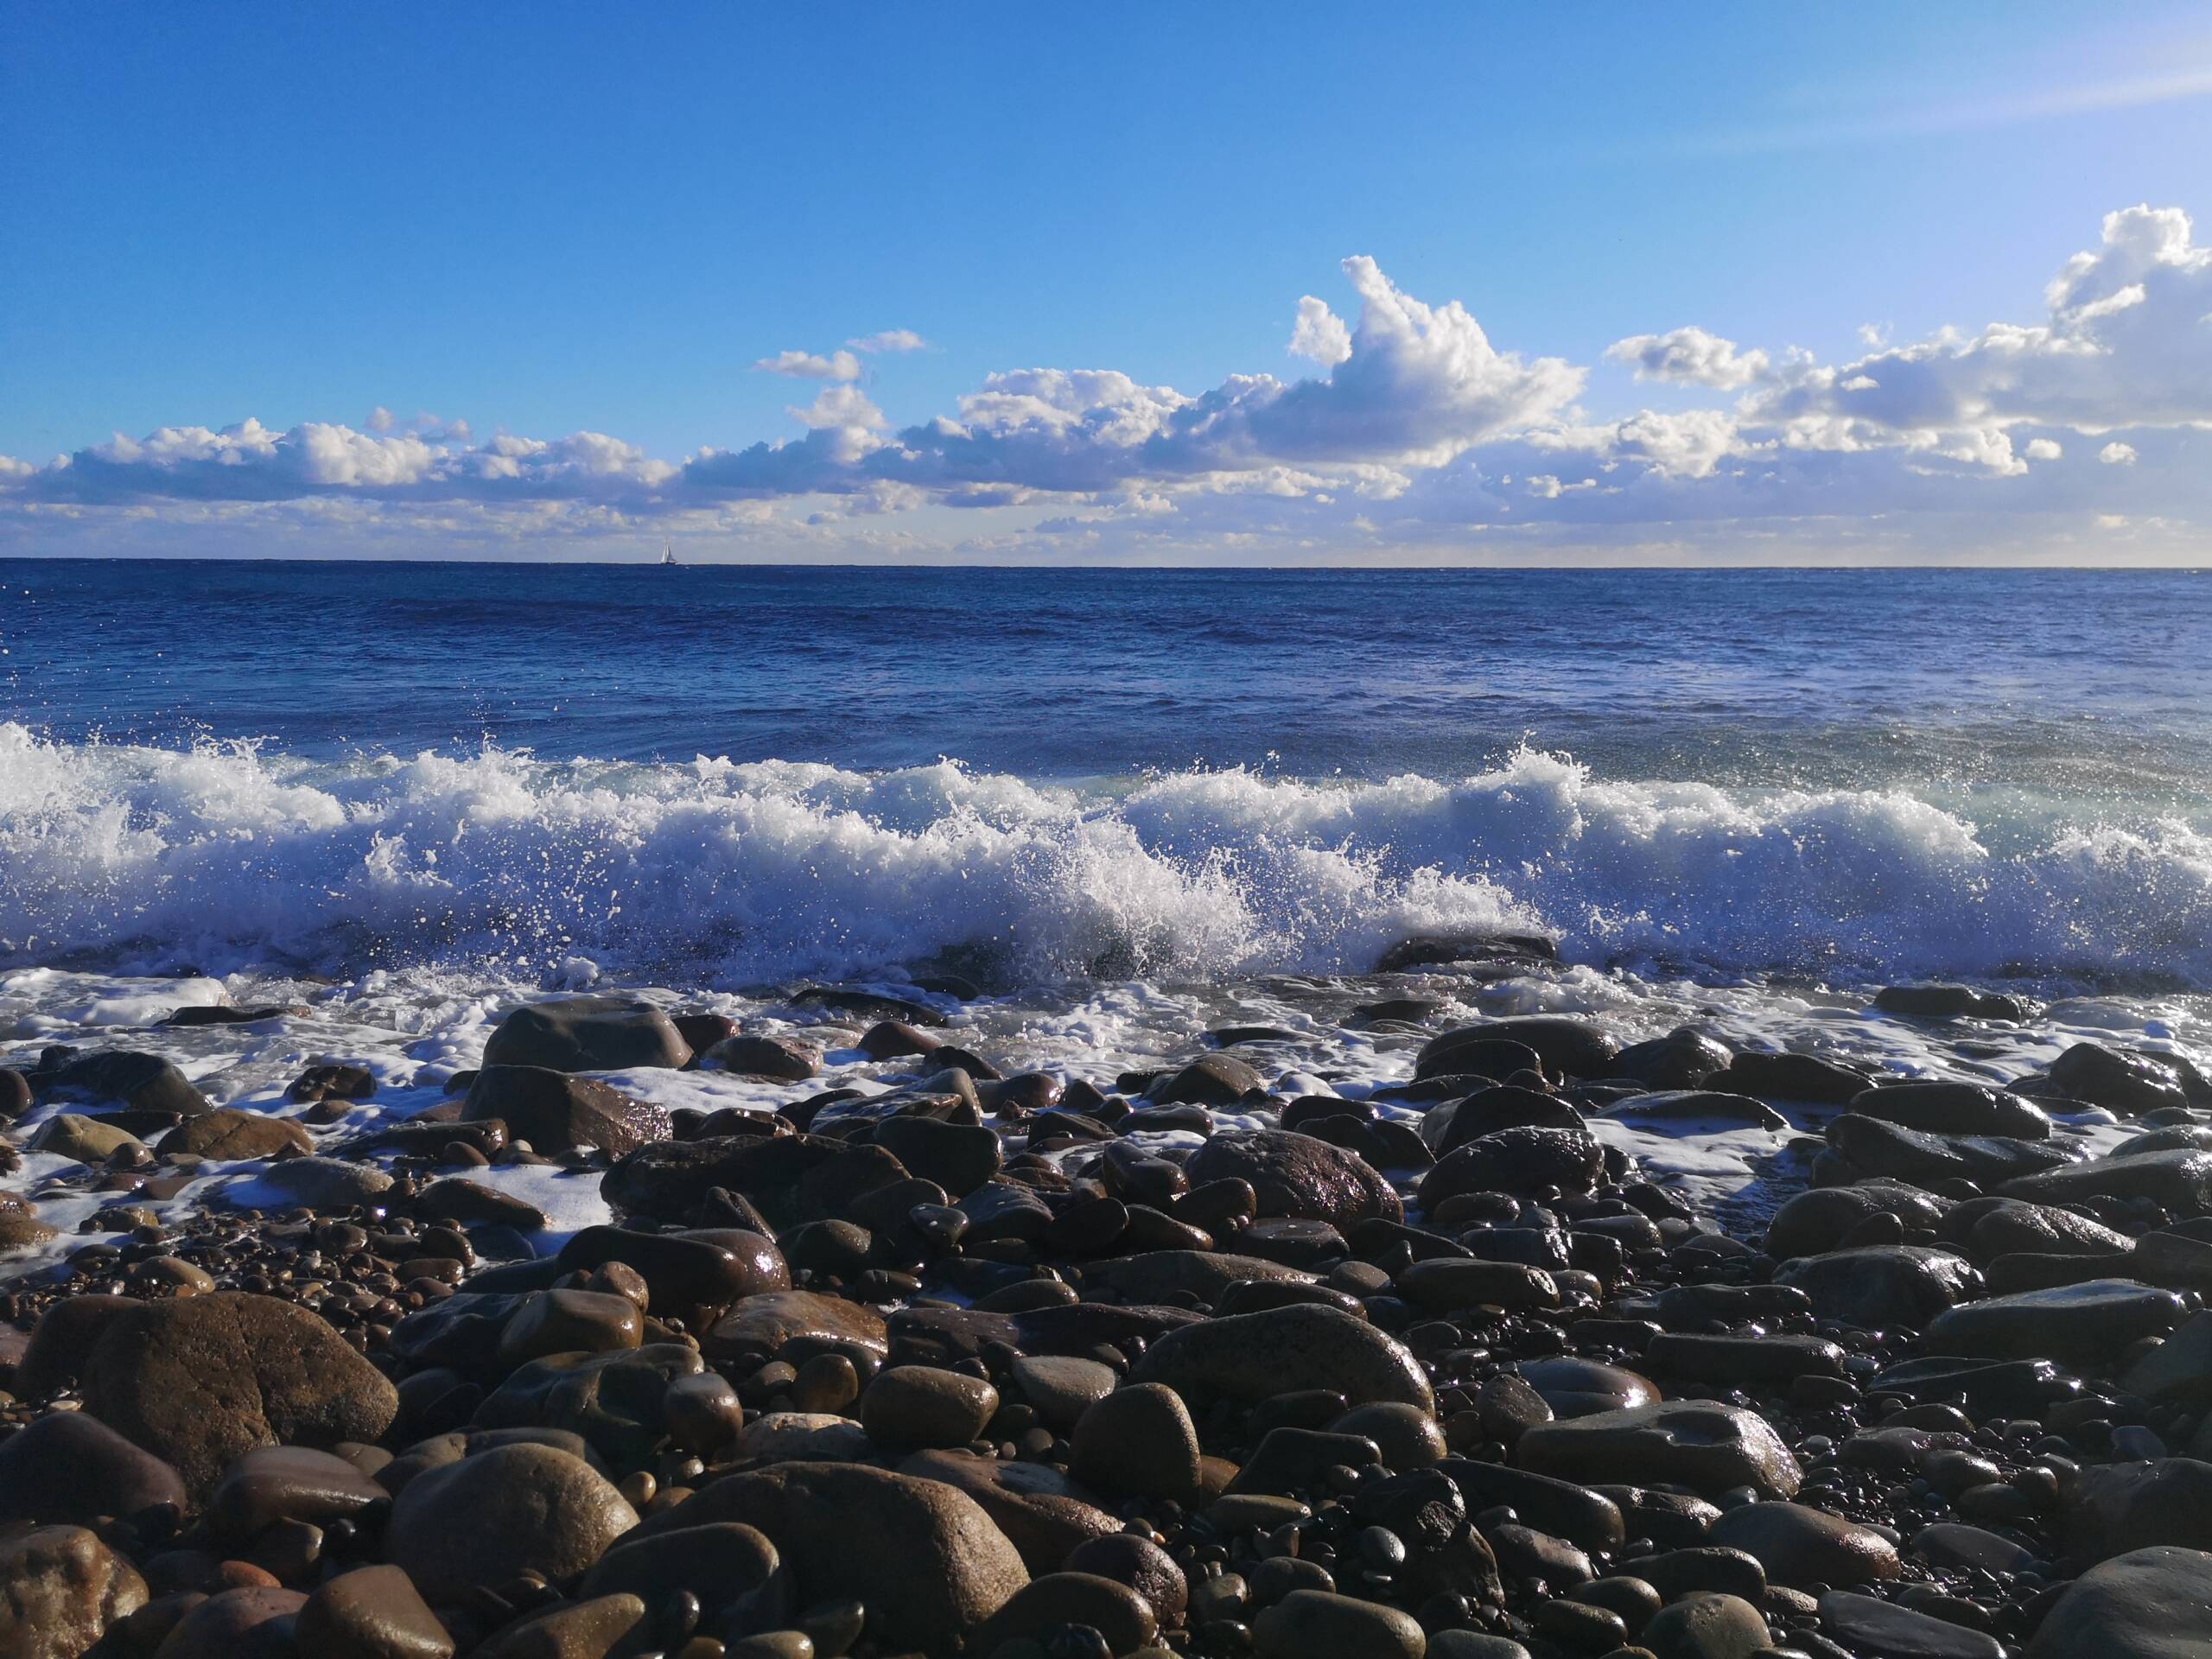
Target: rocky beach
x,y
1073,832
1455,1309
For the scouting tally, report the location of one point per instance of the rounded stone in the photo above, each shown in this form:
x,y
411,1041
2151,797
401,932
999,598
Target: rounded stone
x,y
228,1134
1252,1357
61,1588
919,1406
586,1033
2149,1604
1297,1175
1710,1448
1318,1625
928,1562
69,1466
1408,1437
600,1628
556,1112
720,1563
569,1322
371,1613
201,1381
1139,1441
500,1513
250,1622
1125,1619
273,1483
1141,1564
1801,1547
1059,1388
1704,1625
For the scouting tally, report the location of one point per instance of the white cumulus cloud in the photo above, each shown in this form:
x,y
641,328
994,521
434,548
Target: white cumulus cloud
x,y
1409,430
1689,357
1319,333
811,365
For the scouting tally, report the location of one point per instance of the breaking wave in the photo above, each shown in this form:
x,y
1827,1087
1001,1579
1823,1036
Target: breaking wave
x,y
228,855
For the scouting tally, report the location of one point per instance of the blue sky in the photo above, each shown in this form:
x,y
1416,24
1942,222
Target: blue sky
x,y
554,221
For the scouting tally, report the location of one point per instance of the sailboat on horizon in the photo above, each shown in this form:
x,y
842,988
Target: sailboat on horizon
x,y
667,551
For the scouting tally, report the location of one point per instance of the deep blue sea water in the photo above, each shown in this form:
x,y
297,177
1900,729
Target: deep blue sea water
x,y
747,772
2095,680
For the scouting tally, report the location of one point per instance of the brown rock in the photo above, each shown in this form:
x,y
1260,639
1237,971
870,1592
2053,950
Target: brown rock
x,y
372,1612
1139,1441
200,1381
455,1197
252,1622
1297,1175
69,1466
780,1059
227,1133
333,1081
1141,1564
691,1274
554,1112
586,1033
1107,1606
1803,1546
803,1321
1706,1625
612,1400
918,1407
1251,1356
925,1559
63,1339
61,1588
1209,1080
1315,1624
1040,1510
144,1082
889,1039
604,1626
1060,1388
20,1229
512,1509
721,1564
570,1322
87,1139
287,1483
1705,1446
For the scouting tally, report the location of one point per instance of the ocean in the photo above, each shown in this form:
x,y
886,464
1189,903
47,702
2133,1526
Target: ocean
x,y
1130,806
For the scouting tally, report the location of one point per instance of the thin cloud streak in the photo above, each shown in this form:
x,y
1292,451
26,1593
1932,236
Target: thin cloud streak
x,y
1917,121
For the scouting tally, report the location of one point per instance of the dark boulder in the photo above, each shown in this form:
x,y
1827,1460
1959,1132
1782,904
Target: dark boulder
x,y
556,1112
1571,1048
1298,1175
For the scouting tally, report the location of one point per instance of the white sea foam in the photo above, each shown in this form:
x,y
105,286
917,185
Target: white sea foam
x,y
229,856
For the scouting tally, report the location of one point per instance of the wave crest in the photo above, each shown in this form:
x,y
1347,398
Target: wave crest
x,y
224,855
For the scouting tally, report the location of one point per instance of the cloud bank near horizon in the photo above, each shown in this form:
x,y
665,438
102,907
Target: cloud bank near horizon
x,y
2086,433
